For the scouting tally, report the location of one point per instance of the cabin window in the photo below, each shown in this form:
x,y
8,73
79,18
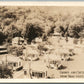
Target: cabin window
x,y
9,63
33,55
52,62
25,72
15,64
32,73
43,75
38,75
22,41
19,63
35,74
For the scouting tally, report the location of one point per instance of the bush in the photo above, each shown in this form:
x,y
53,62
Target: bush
x,y
5,72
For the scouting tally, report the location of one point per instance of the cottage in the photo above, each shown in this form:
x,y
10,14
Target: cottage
x,y
69,50
38,70
14,62
48,48
53,61
18,41
38,40
56,34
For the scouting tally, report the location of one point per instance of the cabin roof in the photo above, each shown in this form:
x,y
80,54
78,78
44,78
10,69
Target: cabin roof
x,y
10,58
17,38
38,39
38,66
56,33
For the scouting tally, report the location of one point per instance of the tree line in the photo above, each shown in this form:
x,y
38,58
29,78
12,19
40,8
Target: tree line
x,y
32,22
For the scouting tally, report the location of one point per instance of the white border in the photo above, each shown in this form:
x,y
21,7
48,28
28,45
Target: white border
x,y
42,80
46,3
41,3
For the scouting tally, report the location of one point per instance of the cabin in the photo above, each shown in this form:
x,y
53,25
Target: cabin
x,y
56,34
38,70
14,62
68,49
38,40
47,49
18,41
53,61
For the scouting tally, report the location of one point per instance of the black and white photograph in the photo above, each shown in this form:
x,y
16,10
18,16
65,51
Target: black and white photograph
x,y
41,42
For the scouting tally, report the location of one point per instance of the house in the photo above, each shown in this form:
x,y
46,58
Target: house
x,y
38,70
18,41
13,61
53,61
56,34
38,40
68,49
48,48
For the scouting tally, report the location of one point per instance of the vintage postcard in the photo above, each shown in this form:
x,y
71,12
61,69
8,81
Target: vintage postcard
x,y
42,41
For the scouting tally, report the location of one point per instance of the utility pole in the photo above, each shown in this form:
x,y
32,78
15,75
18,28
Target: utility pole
x,y
2,71
6,62
6,55
29,69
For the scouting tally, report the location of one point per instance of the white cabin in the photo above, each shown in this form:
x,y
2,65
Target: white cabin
x,y
13,61
38,70
18,41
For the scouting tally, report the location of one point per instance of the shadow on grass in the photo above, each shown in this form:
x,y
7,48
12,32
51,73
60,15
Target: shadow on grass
x,y
62,67
71,59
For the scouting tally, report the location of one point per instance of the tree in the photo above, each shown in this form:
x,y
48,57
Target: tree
x,y
33,31
75,27
2,37
11,32
5,72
